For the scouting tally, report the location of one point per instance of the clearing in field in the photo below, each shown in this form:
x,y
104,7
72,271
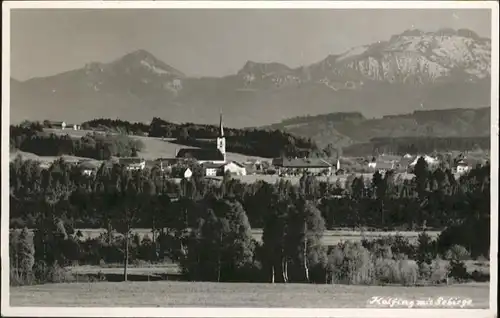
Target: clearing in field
x,y
201,294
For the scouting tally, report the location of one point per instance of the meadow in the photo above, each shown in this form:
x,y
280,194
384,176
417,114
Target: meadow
x,y
204,294
330,237
155,147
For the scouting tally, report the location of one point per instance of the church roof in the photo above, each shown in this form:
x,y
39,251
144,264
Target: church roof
x,y
201,154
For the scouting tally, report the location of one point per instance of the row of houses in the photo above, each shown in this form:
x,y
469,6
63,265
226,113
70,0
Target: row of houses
x,y
62,125
316,166
407,162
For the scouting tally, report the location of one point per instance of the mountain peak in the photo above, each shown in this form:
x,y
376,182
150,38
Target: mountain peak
x,y
147,60
252,66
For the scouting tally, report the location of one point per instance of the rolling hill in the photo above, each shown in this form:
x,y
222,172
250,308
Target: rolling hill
x,y
411,71
344,129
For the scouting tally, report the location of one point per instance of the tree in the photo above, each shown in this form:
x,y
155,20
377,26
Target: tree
x,y
274,239
125,212
303,238
221,246
421,176
26,255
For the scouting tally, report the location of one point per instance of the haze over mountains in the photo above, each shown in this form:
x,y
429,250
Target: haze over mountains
x,y
411,71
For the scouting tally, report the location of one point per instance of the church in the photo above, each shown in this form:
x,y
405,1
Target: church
x,y
215,155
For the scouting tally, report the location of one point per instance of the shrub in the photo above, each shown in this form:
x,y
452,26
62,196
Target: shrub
x,y
458,270
458,253
387,271
408,271
350,263
57,274
390,271
482,258
438,271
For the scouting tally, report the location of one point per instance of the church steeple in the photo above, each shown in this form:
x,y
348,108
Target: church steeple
x,y
221,126
221,140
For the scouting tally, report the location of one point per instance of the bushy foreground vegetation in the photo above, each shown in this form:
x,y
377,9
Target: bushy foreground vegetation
x,y
31,138
205,225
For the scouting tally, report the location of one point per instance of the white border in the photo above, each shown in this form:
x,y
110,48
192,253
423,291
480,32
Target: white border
x,y
246,312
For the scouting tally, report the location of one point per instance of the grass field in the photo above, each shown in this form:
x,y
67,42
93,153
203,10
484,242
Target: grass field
x,y
330,237
156,147
200,294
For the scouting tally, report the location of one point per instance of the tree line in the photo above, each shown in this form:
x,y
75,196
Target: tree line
x,y
31,138
252,142
205,225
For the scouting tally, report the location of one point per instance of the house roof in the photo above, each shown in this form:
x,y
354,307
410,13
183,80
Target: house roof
x,y
236,164
55,122
201,154
211,165
427,158
302,163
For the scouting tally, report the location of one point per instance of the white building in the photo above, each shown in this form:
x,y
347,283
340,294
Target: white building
x,y
133,163
188,173
462,167
430,160
234,168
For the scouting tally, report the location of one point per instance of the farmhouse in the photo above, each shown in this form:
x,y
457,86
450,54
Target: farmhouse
x,y
234,168
217,155
300,165
383,167
57,124
462,167
133,163
430,160
87,168
73,126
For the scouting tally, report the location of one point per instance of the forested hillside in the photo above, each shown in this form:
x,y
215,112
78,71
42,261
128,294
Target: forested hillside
x,y
345,129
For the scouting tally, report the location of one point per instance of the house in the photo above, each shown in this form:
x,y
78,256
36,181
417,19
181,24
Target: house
x,y
235,168
73,126
56,124
215,169
300,165
87,168
383,167
430,160
187,173
216,155
202,156
45,165
462,167
212,169
133,163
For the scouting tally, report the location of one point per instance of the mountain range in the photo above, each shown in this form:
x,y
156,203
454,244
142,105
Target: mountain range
x,y
411,71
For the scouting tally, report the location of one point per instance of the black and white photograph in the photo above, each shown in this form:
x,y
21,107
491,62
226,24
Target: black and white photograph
x,y
237,159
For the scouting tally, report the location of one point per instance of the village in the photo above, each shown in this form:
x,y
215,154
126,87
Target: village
x,y
214,162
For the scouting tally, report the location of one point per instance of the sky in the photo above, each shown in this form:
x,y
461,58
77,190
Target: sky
x,y
211,42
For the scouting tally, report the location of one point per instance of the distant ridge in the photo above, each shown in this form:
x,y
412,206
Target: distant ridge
x,y
413,70
343,129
